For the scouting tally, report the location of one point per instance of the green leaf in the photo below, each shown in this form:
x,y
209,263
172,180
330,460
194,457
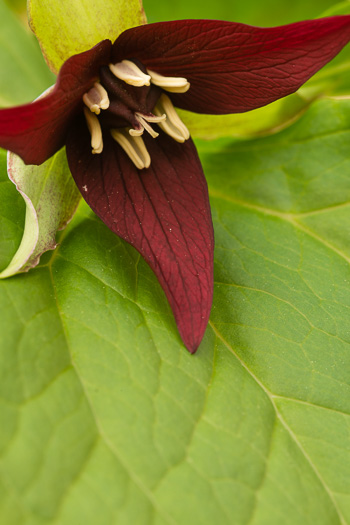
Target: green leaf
x,y
51,199
65,28
260,121
24,72
105,416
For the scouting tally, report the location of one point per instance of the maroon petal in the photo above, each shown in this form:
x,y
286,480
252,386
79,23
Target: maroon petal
x,y
163,212
36,131
234,67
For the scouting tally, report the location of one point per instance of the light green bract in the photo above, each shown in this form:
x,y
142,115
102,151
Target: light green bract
x,y
65,27
51,198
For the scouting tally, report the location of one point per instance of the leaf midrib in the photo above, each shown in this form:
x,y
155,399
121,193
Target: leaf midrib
x,y
289,218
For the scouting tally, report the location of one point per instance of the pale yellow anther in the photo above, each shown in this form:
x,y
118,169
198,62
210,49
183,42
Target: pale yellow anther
x,y
133,146
130,73
171,84
96,98
95,131
173,125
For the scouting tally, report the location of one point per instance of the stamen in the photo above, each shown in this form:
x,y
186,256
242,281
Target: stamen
x,y
127,71
134,147
95,131
96,98
173,125
171,84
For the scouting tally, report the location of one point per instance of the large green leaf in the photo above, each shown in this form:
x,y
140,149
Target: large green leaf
x,y
65,27
267,119
24,74
105,416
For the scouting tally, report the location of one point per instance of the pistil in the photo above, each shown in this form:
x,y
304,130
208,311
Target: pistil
x,y
143,120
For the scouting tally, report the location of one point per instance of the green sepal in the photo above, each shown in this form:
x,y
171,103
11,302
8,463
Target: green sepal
x,y
51,199
65,28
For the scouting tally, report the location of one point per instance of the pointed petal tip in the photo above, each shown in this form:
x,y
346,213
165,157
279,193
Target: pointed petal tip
x,y
192,324
192,340
192,348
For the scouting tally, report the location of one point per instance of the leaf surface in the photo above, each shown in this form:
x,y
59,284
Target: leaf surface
x,y
106,416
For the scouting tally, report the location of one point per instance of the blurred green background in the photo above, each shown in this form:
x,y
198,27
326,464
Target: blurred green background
x,y
269,12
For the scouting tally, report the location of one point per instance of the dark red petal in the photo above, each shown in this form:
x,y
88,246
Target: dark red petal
x,y
36,131
234,67
163,212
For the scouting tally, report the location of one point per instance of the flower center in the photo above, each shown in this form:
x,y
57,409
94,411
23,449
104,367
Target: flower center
x,y
132,100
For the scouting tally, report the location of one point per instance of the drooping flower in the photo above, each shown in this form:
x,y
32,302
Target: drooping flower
x,y
130,154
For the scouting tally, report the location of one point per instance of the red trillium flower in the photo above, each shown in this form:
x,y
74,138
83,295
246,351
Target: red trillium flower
x,y
130,154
